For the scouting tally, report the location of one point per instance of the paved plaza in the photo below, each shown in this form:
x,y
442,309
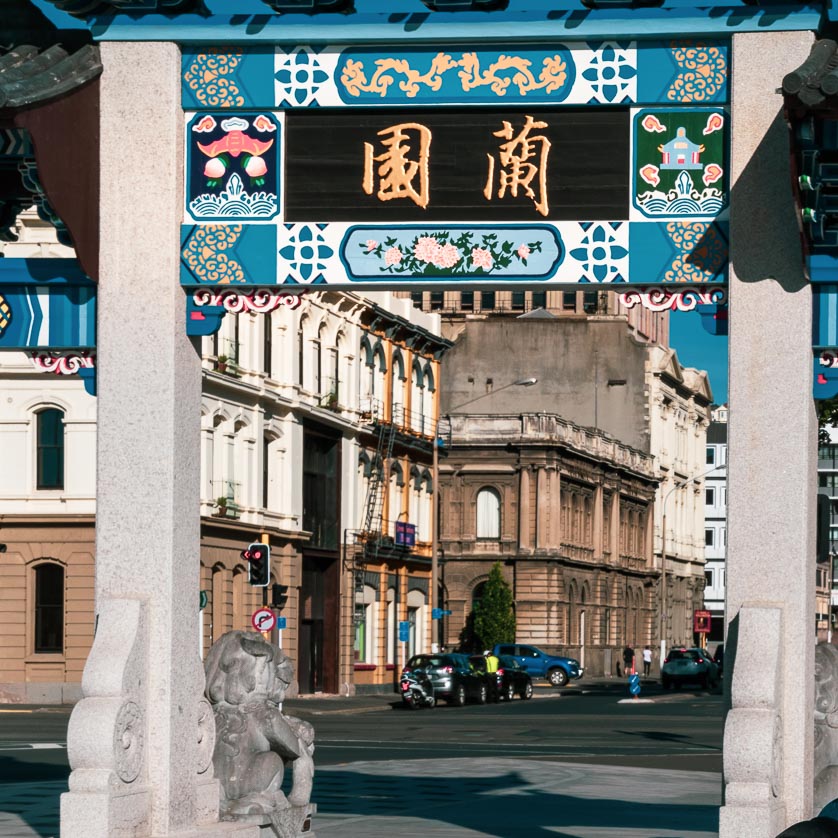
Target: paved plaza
x,y
464,798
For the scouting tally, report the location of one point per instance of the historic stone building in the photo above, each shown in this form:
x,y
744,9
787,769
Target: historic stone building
x,y
568,511
317,422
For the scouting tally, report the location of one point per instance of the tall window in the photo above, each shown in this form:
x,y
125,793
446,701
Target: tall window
x,y
488,514
708,538
487,300
49,608
50,449
266,453
317,362
539,299
711,456
267,345
569,300
518,299
321,509
301,352
467,300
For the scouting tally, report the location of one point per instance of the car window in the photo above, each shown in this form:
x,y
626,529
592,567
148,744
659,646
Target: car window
x,y
528,652
679,654
506,650
509,663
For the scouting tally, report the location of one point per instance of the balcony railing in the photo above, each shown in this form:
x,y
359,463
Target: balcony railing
x,y
409,421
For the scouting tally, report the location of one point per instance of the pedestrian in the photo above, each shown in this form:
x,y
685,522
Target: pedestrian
x,y
492,663
647,661
628,660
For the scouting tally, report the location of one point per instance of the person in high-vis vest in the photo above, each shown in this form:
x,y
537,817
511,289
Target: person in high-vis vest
x,y
492,664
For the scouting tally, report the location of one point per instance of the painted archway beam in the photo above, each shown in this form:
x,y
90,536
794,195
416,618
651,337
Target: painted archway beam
x,y
258,21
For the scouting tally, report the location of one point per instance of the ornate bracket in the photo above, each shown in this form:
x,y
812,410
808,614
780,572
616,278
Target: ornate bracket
x,y
206,309
713,304
81,363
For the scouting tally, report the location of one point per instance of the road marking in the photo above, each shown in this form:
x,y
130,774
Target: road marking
x,y
35,746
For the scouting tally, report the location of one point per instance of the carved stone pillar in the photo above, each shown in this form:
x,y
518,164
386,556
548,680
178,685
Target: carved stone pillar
x,y
542,509
769,649
140,741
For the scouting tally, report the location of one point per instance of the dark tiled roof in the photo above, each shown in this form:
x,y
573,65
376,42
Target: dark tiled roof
x,y
29,76
814,84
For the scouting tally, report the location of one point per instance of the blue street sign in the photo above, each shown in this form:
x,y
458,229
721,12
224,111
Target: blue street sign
x,y
634,684
404,631
439,613
281,622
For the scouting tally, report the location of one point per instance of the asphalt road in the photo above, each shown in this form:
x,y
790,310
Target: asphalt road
x,y
385,770
680,730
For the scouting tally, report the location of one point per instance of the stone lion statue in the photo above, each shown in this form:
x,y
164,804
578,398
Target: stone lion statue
x,y
256,742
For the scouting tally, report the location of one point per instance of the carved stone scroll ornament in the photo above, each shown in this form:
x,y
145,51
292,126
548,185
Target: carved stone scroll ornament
x,y
107,732
826,725
256,743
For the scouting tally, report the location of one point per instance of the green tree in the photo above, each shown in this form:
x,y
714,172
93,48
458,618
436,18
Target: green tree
x,y
494,617
827,415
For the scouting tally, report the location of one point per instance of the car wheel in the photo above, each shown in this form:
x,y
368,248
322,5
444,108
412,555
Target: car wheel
x,y
526,693
509,693
458,697
482,694
557,677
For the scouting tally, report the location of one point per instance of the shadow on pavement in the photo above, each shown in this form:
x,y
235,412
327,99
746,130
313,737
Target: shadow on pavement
x,y
504,806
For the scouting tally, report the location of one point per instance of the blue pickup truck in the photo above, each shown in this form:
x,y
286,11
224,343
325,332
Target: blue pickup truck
x,y
555,669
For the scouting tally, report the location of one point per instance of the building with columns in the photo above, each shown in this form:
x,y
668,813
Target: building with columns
x,y
568,512
295,403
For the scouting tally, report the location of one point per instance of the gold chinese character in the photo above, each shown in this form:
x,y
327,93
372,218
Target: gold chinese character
x,y
518,171
403,172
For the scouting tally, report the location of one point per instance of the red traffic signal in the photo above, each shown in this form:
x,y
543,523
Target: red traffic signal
x,y
258,558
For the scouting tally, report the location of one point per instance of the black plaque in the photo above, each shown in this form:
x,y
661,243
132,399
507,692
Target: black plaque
x,y
586,170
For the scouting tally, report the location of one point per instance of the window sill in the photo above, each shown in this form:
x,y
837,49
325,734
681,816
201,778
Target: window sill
x,y
365,667
44,657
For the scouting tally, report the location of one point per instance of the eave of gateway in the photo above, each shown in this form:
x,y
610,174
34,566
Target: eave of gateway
x,y
256,24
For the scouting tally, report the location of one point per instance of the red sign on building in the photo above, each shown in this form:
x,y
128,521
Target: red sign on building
x,y
701,622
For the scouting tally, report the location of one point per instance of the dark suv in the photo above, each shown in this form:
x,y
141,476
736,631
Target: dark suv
x,y
453,677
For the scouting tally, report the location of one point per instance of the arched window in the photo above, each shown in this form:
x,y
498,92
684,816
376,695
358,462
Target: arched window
x,y
488,513
317,362
366,625
398,389
50,433
49,608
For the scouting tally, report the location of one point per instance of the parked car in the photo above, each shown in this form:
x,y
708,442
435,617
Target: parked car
x,y
453,676
556,669
683,666
513,679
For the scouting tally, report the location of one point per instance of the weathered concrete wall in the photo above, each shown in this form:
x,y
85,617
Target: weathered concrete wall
x,y
573,362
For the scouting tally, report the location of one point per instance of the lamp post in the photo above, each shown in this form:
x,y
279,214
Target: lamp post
x,y
666,497
521,382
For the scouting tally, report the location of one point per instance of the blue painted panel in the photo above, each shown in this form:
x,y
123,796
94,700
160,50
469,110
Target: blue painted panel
x,y
825,315
684,73
46,304
569,72
343,255
696,252
221,77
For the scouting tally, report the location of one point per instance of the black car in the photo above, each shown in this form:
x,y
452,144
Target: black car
x,y
513,679
453,676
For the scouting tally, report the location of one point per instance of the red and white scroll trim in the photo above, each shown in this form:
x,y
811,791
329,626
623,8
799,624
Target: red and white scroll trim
x,y
260,301
829,358
63,363
661,299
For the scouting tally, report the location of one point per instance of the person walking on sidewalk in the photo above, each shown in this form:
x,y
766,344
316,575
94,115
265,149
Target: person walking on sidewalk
x,y
628,660
647,661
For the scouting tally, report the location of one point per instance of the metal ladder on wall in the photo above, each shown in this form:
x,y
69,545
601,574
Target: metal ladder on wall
x,y
374,504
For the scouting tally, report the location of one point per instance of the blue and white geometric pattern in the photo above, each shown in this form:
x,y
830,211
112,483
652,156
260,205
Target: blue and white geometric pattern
x,y
602,252
235,203
305,78
307,252
611,73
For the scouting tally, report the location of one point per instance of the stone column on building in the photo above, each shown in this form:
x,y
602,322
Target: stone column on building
x,y
140,741
524,543
597,522
556,510
772,467
542,510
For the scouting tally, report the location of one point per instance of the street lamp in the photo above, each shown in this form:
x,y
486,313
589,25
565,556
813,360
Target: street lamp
x,y
521,382
666,497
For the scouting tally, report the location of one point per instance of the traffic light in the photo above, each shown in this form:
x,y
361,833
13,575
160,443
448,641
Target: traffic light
x,y
280,596
258,558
